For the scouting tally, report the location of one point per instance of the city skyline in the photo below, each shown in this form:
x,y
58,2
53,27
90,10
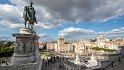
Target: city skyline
x,y
68,18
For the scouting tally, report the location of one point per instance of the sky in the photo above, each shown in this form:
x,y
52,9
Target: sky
x,y
71,19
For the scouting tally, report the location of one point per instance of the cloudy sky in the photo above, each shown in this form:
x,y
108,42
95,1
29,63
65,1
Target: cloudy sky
x,y
72,19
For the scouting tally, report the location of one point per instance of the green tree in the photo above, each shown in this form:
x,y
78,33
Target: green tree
x,y
93,40
6,51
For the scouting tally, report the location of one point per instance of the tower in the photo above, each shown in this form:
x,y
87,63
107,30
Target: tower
x,y
61,41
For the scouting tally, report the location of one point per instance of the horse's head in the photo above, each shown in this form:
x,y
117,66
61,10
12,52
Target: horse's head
x,y
25,12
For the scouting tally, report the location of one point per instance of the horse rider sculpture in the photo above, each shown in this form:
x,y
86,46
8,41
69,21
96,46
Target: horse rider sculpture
x,y
29,16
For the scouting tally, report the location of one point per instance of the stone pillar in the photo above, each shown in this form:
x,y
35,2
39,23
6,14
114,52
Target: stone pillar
x,y
26,49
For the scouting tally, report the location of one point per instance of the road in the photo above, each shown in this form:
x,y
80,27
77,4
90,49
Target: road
x,y
52,66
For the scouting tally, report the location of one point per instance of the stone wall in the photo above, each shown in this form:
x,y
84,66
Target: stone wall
x,y
30,66
111,58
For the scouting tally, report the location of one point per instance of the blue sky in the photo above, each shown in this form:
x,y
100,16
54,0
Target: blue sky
x,y
71,19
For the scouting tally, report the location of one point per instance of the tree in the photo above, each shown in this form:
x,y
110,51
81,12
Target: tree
x,y
93,40
6,51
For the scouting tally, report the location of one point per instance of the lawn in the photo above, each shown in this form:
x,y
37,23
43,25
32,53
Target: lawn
x,y
103,49
45,53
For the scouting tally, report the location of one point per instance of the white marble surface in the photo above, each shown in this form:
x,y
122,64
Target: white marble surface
x,y
25,31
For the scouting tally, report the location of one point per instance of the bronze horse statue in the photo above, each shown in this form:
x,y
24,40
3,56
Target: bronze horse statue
x,y
29,15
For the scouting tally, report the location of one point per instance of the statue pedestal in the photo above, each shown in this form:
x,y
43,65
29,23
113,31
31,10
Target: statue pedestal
x,y
26,50
26,54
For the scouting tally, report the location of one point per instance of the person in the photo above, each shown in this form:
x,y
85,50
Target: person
x,y
6,63
112,64
119,59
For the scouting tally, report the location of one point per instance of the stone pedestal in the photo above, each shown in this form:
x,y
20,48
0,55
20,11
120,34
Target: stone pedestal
x,y
26,47
26,54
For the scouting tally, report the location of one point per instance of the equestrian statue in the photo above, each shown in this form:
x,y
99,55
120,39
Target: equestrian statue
x,y
29,16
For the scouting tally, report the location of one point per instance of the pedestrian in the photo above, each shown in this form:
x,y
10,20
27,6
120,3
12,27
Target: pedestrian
x,y
6,63
112,64
59,66
119,59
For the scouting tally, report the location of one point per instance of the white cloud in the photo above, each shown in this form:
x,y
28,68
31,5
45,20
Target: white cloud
x,y
42,35
72,29
116,31
72,32
9,24
51,13
82,10
10,17
115,35
9,13
45,37
119,32
76,33
44,18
